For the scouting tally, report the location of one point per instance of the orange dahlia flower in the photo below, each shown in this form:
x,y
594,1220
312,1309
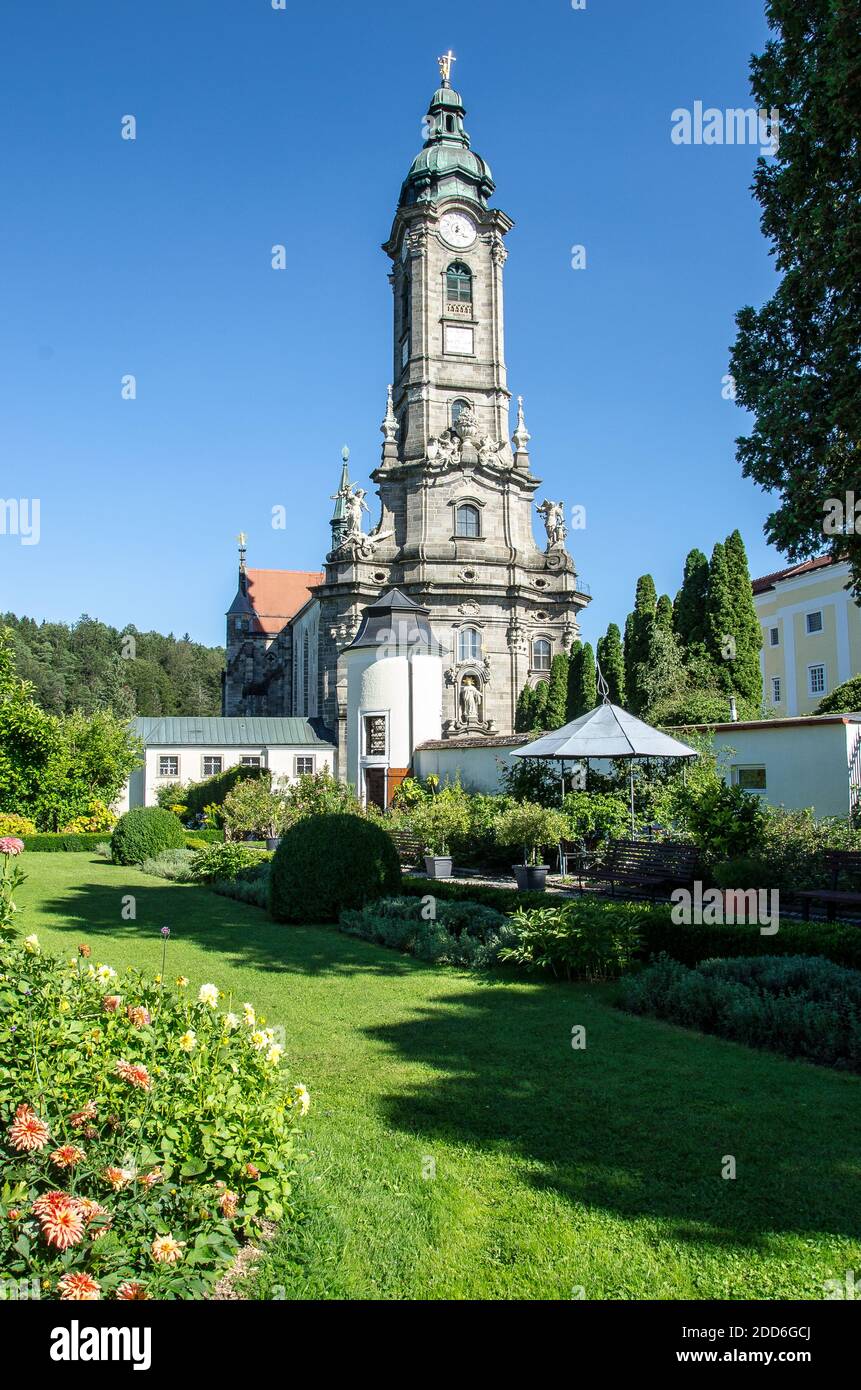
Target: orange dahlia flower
x,y
79,1287
27,1132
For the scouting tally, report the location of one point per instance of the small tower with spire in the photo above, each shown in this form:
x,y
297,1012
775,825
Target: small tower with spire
x,y
339,515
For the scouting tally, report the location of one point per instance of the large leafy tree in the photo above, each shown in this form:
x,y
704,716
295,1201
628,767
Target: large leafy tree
x,y
796,359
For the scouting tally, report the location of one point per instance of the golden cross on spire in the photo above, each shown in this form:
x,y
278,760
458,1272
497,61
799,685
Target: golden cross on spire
x,y
243,540
445,63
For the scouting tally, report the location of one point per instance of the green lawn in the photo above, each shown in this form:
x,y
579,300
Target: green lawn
x,y
546,1168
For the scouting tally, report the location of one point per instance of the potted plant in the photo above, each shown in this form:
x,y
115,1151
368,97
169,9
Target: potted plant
x,y
531,826
254,808
436,821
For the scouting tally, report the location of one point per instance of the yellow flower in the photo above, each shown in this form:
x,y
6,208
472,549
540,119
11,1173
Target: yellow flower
x,y
64,1006
302,1098
274,1055
31,944
166,1250
188,1041
258,1040
182,981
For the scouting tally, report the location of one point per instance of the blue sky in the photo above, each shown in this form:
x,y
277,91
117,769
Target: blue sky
x,y
258,126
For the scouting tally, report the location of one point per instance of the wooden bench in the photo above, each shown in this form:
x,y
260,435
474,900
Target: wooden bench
x,y
409,847
645,864
837,861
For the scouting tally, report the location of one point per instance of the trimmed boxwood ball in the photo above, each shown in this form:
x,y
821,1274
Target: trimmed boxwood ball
x,y
144,833
325,864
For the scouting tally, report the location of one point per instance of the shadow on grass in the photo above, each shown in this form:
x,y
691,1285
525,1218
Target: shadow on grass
x,y
238,931
640,1121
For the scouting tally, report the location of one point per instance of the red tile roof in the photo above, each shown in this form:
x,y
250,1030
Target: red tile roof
x,y
768,581
276,595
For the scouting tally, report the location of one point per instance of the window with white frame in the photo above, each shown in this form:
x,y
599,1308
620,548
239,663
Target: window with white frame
x,y
249,760
750,779
541,654
168,765
775,690
212,764
816,683
469,644
467,520
774,636
814,621
303,765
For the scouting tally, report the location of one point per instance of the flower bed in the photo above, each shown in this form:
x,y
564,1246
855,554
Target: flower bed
x,y
143,1131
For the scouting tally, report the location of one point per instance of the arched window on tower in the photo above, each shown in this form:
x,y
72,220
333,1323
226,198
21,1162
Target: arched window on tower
x,y
406,301
458,283
469,644
541,654
467,520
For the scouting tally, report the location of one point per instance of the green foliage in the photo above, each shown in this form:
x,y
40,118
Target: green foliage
x,y
460,933
249,885
327,863
639,635
198,1142
225,861
844,699
16,825
524,711
531,779
746,670
582,687
540,700
664,613
175,865
212,791
253,807
795,359
82,666
725,822
12,876
76,844
596,817
612,663
532,827
440,819
504,900
557,692
689,608
802,1006
790,849
144,833
580,941
320,794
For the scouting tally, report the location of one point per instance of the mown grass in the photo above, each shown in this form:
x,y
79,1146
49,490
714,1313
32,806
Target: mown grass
x,y
463,1149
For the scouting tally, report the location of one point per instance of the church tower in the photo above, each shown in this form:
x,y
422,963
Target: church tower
x,y
457,497
454,533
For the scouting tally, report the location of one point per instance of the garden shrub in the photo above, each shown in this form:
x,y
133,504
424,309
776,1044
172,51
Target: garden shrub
x,y
802,1006
50,842
596,817
249,886
156,1133
202,835
18,826
97,818
176,865
327,863
225,861
502,899
726,822
580,941
143,833
465,934
531,828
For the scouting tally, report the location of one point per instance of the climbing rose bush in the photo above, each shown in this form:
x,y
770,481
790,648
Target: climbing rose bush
x,y
144,1129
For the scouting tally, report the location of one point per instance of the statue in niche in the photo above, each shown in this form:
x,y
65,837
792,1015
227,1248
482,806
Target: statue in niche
x,y
470,703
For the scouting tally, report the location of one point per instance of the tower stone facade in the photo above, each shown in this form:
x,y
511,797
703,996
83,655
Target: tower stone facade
x,y
457,496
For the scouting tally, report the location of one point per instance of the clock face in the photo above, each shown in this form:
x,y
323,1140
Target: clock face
x,y
457,229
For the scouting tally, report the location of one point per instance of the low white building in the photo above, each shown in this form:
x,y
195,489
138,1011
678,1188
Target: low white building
x,y
812,760
189,748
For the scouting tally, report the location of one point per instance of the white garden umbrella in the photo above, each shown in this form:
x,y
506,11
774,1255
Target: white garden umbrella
x,y
606,732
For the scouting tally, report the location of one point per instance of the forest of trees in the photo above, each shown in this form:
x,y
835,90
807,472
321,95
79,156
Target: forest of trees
x,y
90,666
679,661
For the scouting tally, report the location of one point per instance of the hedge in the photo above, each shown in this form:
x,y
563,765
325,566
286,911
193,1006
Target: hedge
x,y
839,942
327,863
143,833
47,843
213,790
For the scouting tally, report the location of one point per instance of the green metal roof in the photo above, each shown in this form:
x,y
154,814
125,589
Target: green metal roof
x,y
255,731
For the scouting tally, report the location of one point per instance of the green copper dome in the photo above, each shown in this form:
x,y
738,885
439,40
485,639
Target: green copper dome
x,y
446,167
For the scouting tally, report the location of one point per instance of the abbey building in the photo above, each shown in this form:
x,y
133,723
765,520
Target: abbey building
x,y
427,624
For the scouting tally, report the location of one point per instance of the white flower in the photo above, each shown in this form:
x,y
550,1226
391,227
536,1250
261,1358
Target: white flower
x,y
31,944
258,1041
208,994
188,1041
274,1055
302,1098
249,1017
231,1021
104,972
